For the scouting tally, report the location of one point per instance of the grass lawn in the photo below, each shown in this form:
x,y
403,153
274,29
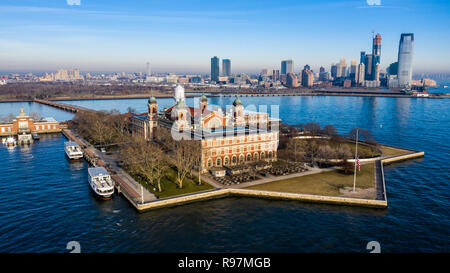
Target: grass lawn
x,y
389,151
326,183
169,186
364,151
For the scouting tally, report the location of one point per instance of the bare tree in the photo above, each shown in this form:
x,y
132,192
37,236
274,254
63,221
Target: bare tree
x,y
184,159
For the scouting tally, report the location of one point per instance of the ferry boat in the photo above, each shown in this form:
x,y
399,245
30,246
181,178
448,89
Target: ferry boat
x,y
73,150
10,142
101,183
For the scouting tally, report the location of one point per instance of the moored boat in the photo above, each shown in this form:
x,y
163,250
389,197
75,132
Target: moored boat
x,y
10,142
35,136
100,182
73,150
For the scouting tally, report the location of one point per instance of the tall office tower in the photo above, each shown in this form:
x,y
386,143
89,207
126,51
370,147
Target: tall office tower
x,y
376,54
226,67
368,67
214,69
361,73
148,72
291,80
276,75
333,70
341,69
287,66
362,59
321,69
307,77
392,70
405,55
353,71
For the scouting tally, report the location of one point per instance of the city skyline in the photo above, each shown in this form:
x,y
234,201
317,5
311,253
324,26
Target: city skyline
x,y
182,37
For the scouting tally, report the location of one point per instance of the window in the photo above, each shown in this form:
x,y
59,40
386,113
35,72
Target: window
x,y
249,157
255,156
270,154
226,161
234,159
209,163
241,158
263,155
219,162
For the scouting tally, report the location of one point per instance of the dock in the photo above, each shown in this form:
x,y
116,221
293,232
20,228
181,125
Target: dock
x,y
63,106
123,182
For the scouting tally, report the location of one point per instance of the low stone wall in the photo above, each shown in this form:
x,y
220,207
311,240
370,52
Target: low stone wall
x,y
219,193
396,158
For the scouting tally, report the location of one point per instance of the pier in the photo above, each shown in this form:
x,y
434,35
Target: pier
x,y
62,106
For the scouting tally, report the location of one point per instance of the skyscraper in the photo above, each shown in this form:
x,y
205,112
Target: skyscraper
x,y
148,71
353,71
307,77
405,54
368,60
291,80
287,66
341,68
226,67
333,70
215,69
376,55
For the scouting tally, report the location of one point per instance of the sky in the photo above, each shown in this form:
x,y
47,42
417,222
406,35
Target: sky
x,y
181,36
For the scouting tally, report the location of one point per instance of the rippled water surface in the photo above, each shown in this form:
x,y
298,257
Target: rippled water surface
x,y
45,201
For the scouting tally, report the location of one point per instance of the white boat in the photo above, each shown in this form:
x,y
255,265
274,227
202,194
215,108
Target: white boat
x,y
100,182
73,150
10,142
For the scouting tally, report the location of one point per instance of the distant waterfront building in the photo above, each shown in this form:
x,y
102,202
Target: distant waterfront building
x,y
24,125
287,66
226,67
392,69
333,70
341,68
361,73
291,80
353,71
214,69
405,55
376,55
307,77
275,75
368,65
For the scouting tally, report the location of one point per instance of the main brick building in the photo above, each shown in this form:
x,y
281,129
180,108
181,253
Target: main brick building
x,y
234,137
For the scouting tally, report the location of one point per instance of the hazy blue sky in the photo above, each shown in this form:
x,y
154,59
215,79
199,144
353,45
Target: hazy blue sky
x,y
182,36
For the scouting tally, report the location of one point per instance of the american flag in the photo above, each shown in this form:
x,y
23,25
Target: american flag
x,y
358,163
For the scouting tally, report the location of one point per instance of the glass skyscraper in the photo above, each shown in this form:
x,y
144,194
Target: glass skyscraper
x,y
226,67
287,66
214,69
405,54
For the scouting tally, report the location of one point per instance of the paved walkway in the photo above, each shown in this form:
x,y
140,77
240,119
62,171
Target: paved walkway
x,y
272,178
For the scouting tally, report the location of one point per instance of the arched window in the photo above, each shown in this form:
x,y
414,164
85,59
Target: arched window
x,y
255,156
234,159
263,155
270,154
226,161
249,157
209,163
241,158
219,162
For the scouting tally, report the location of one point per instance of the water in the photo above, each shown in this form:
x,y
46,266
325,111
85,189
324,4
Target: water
x,y
45,201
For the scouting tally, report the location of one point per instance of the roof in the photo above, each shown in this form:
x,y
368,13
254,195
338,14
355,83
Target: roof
x,y
237,101
96,171
50,119
70,143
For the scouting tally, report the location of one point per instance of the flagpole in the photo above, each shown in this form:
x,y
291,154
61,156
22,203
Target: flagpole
x,y
356,154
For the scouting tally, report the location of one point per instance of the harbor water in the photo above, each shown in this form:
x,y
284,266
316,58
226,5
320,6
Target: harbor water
x,y
45,201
